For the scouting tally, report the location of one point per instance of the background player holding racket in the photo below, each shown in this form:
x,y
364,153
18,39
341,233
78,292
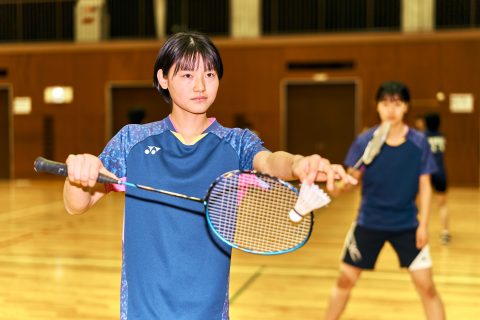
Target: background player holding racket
x,y
391,183
173,268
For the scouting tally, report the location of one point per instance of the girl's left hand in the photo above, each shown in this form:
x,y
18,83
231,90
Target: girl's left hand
x,y
421,236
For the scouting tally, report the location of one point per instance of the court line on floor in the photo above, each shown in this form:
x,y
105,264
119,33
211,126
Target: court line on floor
x,y
247,284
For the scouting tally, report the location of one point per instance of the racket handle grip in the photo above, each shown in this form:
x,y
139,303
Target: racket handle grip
x,y
48,166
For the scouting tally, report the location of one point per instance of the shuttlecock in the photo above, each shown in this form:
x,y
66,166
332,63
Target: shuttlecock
x,y
311,197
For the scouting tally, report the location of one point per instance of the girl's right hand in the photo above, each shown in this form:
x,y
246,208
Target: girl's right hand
x,y
83,169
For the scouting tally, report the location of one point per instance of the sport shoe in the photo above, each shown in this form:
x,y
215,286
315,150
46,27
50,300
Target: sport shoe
x,y
445,238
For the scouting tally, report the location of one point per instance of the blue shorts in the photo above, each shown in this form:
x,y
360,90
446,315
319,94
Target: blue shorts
x,y
363,246
439,182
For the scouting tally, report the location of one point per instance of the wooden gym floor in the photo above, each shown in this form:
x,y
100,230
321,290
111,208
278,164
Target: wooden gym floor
x,y
56,266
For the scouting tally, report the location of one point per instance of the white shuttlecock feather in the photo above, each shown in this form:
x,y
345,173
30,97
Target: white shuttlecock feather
x,y
311,197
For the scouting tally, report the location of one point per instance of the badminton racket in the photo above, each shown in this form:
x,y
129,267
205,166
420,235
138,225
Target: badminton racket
x,y
247,210
374,145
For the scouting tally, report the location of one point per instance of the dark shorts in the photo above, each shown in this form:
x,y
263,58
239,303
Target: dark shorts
x,y
439,182
363,246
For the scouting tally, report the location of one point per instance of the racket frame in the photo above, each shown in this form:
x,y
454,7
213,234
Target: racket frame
x,y
236,246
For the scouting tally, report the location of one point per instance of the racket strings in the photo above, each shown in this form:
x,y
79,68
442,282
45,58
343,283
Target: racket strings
x,y
252,213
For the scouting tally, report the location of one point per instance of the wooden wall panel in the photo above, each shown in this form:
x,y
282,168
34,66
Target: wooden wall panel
x,y
28,144
255,70
250,86
460,69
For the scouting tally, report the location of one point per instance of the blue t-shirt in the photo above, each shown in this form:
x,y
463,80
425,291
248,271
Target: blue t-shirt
x,y
173,267
390,182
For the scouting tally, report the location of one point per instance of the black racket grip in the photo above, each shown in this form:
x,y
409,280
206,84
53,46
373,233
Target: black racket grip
x,y
48,166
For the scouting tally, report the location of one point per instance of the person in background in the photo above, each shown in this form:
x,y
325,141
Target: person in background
x,y
389,211
437,142
419,123
136,115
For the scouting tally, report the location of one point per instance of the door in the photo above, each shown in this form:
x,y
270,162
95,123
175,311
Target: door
x,y
135,103
5,134
320,117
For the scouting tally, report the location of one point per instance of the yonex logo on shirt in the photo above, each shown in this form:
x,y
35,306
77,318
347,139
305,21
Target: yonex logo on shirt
x,y
151,150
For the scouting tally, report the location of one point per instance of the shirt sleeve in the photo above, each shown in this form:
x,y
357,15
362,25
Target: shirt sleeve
x,y
428,160
251,145
354,153
114,154
358,148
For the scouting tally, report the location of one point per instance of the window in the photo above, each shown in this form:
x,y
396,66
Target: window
x,y
208,16
290,16
457,14
131,19
36,21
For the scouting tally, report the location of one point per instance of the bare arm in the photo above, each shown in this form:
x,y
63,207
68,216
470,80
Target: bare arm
x,y
306,168
423,200
81,190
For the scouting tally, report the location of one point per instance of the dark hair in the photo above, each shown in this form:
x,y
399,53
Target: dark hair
x,y
184,49
391,88
432,121
136,115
